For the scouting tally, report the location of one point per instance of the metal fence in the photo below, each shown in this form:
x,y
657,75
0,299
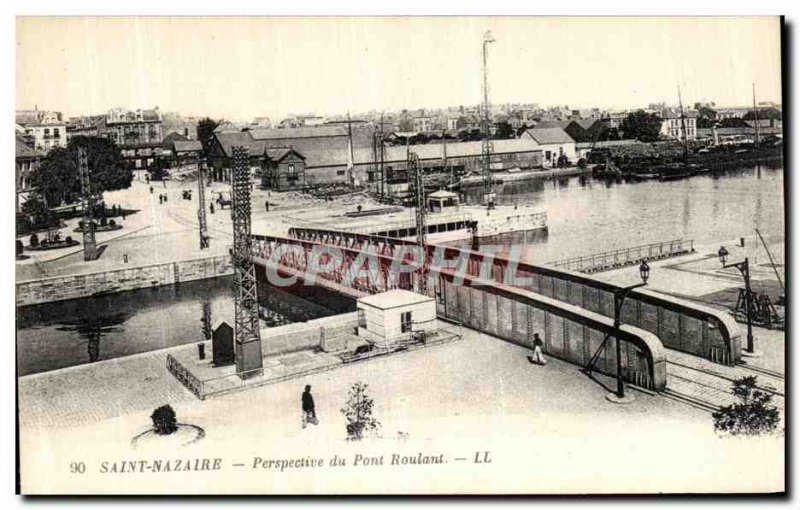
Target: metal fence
x,y
185,377
626,256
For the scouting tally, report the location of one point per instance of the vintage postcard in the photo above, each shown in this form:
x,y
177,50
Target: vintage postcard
x,y
400,255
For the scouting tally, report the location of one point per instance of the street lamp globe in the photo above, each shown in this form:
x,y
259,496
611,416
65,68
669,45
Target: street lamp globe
x,y
723,255
644,271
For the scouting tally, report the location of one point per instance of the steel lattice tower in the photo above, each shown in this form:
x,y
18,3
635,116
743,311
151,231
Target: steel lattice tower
x,y
205,239
87,203
246,329
419,198
486,144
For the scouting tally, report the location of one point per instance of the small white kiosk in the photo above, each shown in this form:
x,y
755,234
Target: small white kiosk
x,y
395,315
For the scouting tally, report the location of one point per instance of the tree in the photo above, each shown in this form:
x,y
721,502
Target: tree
x,y
645,127
35,215
609,134
164,420
205,132
57,176
357,413
764,113
504,131
706,117
753,415
732,122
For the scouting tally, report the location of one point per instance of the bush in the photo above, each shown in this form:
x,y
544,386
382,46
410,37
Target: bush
x,y
103,221
753,415
582,163
20,247
358,413
34,241
112,223
68,239
164,420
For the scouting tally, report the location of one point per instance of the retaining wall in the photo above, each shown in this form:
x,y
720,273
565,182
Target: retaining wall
x,y
306,335
76,286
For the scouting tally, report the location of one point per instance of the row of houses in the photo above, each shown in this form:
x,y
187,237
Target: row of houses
x,y
298,157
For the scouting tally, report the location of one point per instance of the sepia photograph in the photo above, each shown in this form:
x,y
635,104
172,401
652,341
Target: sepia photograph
x,y
400,255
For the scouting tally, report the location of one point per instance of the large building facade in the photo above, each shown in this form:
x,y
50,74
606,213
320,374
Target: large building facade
x,y
46,129
677,126
138,133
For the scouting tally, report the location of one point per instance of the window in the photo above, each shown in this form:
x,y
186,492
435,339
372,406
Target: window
x,y
548,155
56,134
405,322
290,170
340,172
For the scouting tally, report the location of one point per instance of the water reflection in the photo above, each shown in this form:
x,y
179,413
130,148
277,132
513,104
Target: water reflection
x,y
67,333
93,329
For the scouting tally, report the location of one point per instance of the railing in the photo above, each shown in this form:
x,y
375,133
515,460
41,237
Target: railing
x,y
185,377
626,256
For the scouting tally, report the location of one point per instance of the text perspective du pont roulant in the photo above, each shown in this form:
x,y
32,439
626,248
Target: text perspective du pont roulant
x,y
216,464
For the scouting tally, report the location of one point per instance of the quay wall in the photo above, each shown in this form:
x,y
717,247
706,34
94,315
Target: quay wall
x,y
301,336
60,288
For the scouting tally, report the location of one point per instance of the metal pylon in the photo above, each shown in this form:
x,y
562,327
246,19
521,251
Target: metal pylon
x,y
246,328
486,143
205,239
422,229
87,203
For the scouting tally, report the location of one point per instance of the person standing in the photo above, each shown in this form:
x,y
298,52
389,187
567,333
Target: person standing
x,y
309,413
538,355
266,204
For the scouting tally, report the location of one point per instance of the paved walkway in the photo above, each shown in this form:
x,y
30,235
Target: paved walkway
x,y
168,232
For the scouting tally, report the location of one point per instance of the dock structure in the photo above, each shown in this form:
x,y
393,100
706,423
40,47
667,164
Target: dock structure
x,y
459,222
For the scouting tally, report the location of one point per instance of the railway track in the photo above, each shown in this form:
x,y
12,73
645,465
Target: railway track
x,y
711,389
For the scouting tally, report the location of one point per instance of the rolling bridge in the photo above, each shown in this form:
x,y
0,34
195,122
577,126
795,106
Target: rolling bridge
x,y
573,312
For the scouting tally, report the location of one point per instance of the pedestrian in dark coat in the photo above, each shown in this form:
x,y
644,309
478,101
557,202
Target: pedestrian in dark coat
x,y
309,413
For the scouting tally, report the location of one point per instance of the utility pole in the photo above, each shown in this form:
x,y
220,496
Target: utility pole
x,y
205,239
486,144
247,333
419,201
383,174
87,203
755,115
350,161
683,128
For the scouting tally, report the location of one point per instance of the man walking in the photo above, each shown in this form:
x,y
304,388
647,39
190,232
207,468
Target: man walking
x,y
309,413
538,355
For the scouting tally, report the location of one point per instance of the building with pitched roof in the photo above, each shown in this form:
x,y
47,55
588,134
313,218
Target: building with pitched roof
x,y
26,161
47,129
554,142
677,128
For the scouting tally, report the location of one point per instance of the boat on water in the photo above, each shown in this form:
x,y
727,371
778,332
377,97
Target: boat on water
x,y
446,219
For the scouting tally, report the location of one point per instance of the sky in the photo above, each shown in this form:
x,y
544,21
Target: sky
x,y
240,68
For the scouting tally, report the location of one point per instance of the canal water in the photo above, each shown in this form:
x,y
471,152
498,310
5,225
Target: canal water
x,y
584,216
67,333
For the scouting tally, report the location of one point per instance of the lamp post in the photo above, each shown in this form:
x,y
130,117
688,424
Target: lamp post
x,y
619,396
744,268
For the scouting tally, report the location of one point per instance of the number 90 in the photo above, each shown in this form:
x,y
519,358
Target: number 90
x,y
77,468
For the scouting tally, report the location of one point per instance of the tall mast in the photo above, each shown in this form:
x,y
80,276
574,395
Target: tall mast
x,y
755,114
486,144
683,126
351,162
